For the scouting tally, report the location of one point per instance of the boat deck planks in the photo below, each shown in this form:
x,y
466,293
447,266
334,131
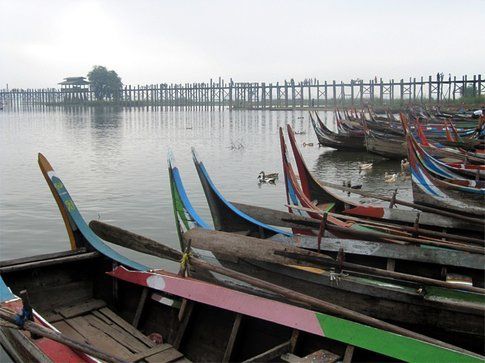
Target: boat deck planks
x,y
79,309
166,356
118,334
102,317
98,338
126,326
65,328
92,322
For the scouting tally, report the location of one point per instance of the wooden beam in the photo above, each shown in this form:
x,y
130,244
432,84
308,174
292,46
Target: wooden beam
x,y
294,340
349,352
391,264
139,308
48,262
45,256
183,307
272,353
232,338
183,325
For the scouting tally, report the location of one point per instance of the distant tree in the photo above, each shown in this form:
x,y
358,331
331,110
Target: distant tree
x,y
105,84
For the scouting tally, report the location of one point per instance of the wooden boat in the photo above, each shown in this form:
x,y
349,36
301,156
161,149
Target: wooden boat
x,y
431,191
93,303
320,195
328,138
382,125
363,295
384,144
349,124
189,218
449,173
430,146
156,316
362,228
434,128
461,166
449,155
145,245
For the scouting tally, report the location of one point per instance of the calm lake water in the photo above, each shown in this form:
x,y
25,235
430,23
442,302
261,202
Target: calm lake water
x,y
113,162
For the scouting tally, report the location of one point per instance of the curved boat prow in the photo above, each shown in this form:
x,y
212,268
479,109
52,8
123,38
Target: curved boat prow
x,y
291,197
185,212
310,186
80,235
225,215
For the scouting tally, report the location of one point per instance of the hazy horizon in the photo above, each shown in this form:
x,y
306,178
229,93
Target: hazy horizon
x,y
151,42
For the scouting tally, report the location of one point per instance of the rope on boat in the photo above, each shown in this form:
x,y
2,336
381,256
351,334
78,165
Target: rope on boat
x,y
185,260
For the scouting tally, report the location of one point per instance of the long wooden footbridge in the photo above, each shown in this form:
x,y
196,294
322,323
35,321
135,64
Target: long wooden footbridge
x,y
310,93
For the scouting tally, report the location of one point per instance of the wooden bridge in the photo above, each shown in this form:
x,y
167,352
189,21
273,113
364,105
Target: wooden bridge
x,y
281,95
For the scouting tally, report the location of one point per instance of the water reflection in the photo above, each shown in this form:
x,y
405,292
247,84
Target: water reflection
x,y
113,162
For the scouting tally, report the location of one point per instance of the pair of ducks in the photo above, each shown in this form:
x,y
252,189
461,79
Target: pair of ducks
x,y
405,169
388,178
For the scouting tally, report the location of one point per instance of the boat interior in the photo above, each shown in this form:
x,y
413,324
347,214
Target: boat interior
x,y
72,291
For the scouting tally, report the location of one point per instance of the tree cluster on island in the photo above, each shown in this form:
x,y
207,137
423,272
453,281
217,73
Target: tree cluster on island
x,y
105,84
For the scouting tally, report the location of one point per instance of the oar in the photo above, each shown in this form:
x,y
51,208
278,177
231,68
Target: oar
x,y
143,244
42,331
421,231
373,235
289,220
348,266
403,202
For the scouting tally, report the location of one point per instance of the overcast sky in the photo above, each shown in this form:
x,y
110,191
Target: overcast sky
x,y
42,42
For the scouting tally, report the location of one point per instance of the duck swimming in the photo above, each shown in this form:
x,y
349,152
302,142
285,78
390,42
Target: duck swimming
x,y
268,175
267,178
390,178
365,166
262,178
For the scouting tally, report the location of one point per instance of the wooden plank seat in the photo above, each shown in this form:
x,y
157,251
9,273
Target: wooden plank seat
x,y
93,323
